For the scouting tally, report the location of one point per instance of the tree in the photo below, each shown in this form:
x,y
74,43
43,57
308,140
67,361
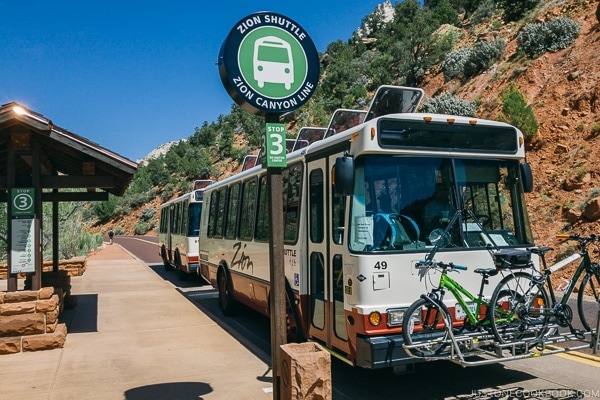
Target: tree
x,y
419,47
338,75
204,136
516,112
515,9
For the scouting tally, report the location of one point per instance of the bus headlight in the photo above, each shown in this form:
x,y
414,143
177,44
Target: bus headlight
x,y
395,316
375,318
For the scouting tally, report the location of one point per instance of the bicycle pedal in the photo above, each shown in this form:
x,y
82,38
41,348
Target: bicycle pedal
x,y
579,334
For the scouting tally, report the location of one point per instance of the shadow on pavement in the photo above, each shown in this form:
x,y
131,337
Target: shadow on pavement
x,y
173,277
170,391
84,317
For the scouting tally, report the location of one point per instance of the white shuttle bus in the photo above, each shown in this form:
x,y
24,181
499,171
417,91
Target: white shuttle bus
x,y
357,219
179,222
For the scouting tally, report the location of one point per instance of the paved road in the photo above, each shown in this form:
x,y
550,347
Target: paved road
x,y
564,376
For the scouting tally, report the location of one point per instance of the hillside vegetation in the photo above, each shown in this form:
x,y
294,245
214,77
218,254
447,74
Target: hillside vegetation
x,y
534,64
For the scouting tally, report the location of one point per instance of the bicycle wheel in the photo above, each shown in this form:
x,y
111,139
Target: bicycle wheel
x,y
425,324
520,310
590,287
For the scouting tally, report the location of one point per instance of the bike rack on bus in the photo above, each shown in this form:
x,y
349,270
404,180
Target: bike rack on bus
x,y
596,337
465,346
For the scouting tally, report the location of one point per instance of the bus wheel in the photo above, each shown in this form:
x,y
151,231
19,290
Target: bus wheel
x,y
227,303
293,336
180,272
163,254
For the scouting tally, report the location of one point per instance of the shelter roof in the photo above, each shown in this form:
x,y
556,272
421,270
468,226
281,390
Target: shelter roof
x,y
62,152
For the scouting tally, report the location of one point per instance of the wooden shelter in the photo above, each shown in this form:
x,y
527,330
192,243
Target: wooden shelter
x,y
36,154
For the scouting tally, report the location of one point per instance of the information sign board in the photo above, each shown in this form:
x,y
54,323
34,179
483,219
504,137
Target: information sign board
x,y
22,254
275,146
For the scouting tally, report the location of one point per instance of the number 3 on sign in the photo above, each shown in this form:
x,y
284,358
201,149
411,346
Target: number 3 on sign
x,y
275,145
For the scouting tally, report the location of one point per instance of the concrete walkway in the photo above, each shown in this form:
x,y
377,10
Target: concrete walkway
x,y
133,336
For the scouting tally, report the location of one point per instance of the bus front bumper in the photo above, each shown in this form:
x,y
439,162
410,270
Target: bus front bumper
x,y
382,352
192,268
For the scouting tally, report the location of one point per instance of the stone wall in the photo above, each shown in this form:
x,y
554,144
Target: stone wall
x,y
74,267
29,320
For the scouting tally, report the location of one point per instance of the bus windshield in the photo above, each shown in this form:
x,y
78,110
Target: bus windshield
x,y
406,203
195,210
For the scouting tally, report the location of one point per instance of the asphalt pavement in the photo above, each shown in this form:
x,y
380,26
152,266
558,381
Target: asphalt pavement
x,y
133,337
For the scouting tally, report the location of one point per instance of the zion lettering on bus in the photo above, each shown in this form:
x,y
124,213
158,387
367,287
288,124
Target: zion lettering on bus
x,y
289,25
276,105
242,261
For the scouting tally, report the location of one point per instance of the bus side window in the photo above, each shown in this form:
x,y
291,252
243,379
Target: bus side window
x,y
232,211
338,210
262,220
317,213
338,205
221,212
248,210
213,214
292,179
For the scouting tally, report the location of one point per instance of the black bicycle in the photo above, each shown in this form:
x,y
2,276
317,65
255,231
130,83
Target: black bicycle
x,y
532,308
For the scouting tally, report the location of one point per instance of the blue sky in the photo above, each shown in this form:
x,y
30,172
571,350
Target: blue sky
x,y
132,75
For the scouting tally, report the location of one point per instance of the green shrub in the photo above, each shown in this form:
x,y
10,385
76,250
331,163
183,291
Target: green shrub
x,y
482,56
553,35
484,12
141,228
454,63
514,10
448,104
518,113
147,215
471,61
104,210
167,192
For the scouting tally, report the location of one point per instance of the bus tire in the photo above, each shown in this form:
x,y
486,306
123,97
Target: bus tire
x,y
180,272
293,325
227,303
163,254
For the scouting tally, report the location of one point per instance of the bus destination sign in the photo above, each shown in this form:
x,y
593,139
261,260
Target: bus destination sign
x,y
268,64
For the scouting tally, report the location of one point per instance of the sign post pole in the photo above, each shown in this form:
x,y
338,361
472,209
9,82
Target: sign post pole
x,y
270,66
277,272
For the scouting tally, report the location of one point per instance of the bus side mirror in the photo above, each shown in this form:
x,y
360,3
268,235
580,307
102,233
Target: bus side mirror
x,y
344,176
527,177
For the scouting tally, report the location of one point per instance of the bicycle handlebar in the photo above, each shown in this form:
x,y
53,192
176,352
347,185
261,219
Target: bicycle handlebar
x,y
583,240
440,264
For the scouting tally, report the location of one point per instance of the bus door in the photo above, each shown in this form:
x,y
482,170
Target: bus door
x,y
325,257
169,239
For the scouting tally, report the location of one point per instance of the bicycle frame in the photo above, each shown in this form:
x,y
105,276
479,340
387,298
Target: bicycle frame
x,y
460,293
584,265
560,309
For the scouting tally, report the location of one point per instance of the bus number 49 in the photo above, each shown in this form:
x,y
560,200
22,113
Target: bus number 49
x,y
381,265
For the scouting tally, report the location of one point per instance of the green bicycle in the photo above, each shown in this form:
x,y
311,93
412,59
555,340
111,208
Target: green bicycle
x,y
428,321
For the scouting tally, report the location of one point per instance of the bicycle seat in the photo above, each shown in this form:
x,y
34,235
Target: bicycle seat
x,y
487,271
540,251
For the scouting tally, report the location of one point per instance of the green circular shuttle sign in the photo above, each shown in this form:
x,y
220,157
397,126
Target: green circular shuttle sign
x,y
269,64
